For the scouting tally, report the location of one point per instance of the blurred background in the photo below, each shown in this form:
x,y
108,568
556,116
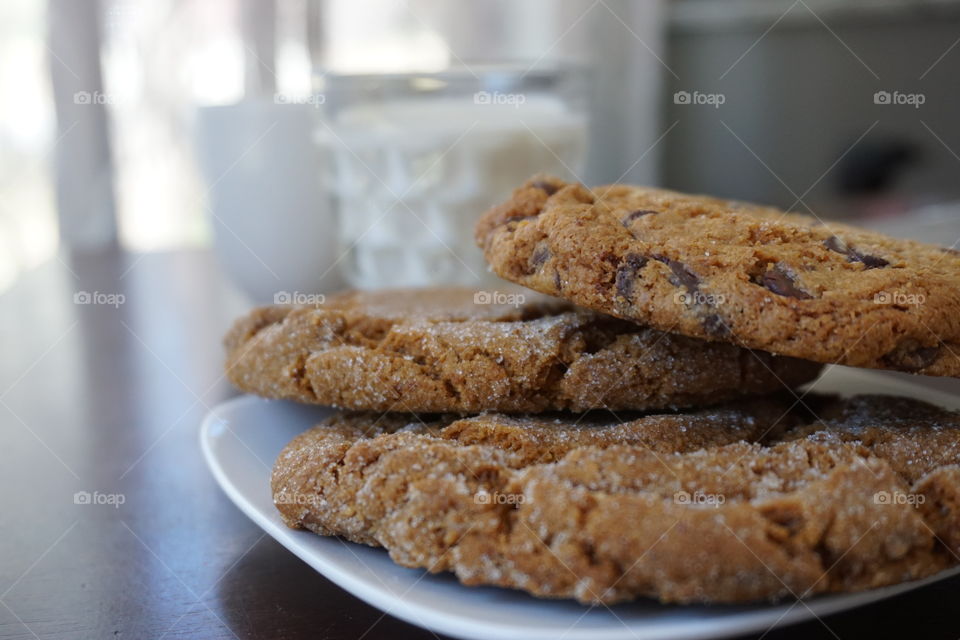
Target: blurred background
x,y
241,124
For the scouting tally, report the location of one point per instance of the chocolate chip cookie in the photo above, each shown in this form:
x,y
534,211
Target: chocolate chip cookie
x,y
734,272
753,501
458,350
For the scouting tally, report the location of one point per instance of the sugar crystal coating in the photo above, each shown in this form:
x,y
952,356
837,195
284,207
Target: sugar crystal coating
x,y
438,350
748,501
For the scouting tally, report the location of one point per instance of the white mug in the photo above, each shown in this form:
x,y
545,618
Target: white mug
x,y
274,228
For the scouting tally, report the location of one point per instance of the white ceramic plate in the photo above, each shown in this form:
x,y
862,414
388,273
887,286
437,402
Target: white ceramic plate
x,y
241,438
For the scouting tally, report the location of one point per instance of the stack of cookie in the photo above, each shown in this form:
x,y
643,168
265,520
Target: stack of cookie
x,y
633,435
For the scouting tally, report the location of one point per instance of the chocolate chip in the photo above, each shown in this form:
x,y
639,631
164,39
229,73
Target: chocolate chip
x,y
682,276
627,274
517,219
911,355
715,326
924,357
540,255
836,244
633,215
543,185
780,281
870,262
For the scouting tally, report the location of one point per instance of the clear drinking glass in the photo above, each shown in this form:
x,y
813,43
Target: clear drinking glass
x,y
414,159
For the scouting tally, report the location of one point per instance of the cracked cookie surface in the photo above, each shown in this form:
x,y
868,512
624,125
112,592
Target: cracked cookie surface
x,y
750,501
735,272
437,350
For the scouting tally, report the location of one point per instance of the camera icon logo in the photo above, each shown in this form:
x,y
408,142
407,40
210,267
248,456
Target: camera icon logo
x,y
82,97
282,297
882,97
482,297
82,497
681,97
82,297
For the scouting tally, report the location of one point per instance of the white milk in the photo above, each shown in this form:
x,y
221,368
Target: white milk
x,y
412,176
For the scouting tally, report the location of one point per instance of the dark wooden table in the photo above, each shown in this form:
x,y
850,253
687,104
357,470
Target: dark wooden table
x,y
108,399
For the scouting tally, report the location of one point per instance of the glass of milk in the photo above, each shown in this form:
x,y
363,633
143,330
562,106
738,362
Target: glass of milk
x,y
414,159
